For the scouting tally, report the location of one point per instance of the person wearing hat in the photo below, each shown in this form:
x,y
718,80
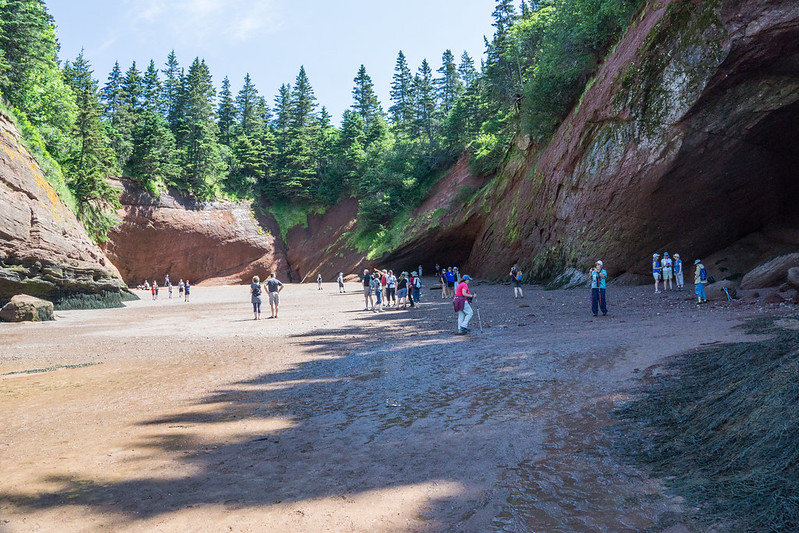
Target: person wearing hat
x,y
516,278
679,277
599,277
668,273
657,271
416,287
461,304
700,280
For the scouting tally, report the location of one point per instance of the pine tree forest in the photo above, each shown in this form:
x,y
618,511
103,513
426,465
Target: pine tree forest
x,y
173,123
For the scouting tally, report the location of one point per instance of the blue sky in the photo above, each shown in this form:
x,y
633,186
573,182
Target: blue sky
x,y
272,38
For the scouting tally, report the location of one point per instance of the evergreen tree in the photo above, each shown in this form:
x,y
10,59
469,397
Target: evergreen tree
x,y
154,158
151,89
448,84
173,91
466,70
425,100
226,113
247,107
250,166
283,108
111,94
91,160
203,164
132,92
402,111
299,168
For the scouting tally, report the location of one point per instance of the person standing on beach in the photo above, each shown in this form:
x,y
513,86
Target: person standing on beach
x,y
255,297
273,288
462,306
402,290
668,272
340,280
169,287
187,290
419,270
679,277
442,278
516,278
319,282
180,288
154,289
657,271
450,276
377,289
700,280
416,287
598,278
366,280
391,289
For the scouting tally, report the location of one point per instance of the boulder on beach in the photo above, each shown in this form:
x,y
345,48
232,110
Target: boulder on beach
x,y
715,291
25,308
793,277
771,273
570,278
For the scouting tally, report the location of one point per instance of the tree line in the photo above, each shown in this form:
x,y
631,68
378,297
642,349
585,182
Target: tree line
x,y
168,126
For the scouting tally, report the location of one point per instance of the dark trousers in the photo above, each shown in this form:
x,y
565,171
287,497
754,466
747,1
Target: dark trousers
x,y
598,301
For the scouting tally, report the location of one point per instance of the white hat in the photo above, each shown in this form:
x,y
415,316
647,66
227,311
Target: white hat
x,y
655,255
676,255
599,262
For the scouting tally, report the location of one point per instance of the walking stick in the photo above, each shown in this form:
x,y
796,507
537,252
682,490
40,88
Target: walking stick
x,y
479,318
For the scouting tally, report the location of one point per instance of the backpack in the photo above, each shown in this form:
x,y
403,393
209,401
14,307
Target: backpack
x,y
518,276
702,274
417,283
256,290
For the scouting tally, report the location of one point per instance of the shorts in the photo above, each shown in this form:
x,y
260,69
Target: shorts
x,y
656,275
667,274
274,298
679,279
450,284
391,293
367,291
402,293
517,284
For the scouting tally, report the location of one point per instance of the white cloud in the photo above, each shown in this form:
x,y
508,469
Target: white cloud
x,y
201,21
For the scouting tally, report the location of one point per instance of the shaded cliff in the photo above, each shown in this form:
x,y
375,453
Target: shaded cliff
x,y
44,250
190,239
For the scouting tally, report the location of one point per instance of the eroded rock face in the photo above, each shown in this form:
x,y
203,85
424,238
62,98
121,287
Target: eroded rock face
x,y
771,273
25,308
216,241
687,140
44,250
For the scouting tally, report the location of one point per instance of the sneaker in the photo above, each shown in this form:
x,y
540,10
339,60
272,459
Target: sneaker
x,y
465,331
658,292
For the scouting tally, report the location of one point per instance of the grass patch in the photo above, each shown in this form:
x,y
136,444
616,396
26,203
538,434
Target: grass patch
x,y
722,428
289,215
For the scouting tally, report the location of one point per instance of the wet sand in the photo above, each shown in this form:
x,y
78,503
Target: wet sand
x,y
192,416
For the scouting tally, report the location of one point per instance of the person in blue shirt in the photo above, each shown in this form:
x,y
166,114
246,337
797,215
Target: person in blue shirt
x,y
450,275
599,278
679,276
657,271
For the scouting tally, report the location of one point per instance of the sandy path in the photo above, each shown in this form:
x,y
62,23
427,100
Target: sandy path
x,y
195,417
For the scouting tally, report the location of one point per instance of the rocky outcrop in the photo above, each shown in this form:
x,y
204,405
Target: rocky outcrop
x,y
25,308
44,249
221,242
770,274
793,277
686,140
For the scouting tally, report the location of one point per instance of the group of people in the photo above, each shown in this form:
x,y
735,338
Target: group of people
x,y
382,287
449,278
184,288
671,271
272,287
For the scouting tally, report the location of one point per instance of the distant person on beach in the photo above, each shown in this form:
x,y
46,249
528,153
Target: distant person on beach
x,y
377,289
668,272
340,280
516,277
255,292
598,300
442,278
319,282
166,280
180,288
438,268
169,287
366,280
402,290
419,270
273,288
146,285
700,280
154,290
657,271
416,287
462,306
679,277
391,289
450,276
187,291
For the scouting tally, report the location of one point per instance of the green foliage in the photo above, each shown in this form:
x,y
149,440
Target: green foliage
x,y
289,215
